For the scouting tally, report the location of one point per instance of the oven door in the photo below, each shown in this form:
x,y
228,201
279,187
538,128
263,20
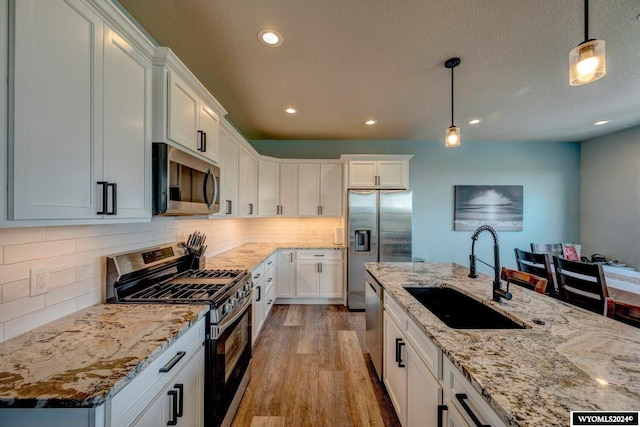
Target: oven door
x,y
229,355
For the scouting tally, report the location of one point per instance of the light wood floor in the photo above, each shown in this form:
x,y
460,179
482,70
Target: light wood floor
x,y
310,367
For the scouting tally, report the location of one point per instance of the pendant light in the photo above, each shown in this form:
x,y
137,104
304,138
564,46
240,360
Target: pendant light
x,y
452,135
587,60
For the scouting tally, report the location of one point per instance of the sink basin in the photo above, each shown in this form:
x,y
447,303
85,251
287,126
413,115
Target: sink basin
x,y
459,311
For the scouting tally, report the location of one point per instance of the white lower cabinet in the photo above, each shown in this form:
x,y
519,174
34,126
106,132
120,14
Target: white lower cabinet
x,y
319,274
181,403
285,273
264,294
412,372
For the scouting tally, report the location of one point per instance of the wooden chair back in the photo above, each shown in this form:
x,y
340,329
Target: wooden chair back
x,y
583,284
526,280
627,313
553,249
538,264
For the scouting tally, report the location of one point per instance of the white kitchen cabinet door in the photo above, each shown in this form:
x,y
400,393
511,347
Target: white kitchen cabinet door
x,y
307,279
453,418
331,190
392,174
395,367
362,173
56,141
330,279
208,140
182,112
285,274
127,126
288,189
229,176
309,189
247,183
424,392
268,181
257,308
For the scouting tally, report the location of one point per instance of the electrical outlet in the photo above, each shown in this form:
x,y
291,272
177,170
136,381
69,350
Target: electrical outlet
x,y
39,283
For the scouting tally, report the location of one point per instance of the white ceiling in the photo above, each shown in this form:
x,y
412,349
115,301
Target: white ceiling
x,y
345,61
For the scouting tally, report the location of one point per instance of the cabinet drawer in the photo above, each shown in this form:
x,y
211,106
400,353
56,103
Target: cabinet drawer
x,y
395,312
457,389
135,396
269,263
257,272
269,300
319,255
426,349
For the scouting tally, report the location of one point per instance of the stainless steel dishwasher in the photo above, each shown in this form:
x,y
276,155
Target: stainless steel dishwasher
x,y
373,316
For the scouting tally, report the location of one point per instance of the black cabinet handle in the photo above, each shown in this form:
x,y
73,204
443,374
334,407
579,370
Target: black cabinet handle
x,y
204,142
398,340
180,388
259,297
228,203
400,362
461,398
441,409
250,208
104,185
174,408
200,141
171,363
114,198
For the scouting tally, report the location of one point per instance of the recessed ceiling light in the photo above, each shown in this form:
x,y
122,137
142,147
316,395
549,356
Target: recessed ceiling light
x,y
370,122
270,37
601,122
290,110
474,121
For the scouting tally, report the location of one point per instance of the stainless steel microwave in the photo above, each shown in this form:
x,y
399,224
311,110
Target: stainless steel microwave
x,y
183,184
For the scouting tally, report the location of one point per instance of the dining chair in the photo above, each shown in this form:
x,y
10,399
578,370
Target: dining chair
x,y
627,313
526,280
553,249
583,284
538,264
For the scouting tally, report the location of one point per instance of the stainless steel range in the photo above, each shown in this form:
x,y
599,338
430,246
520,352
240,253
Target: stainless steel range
x,y
163,274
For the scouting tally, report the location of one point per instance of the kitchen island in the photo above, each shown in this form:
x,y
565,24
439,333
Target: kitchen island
x,y
575,361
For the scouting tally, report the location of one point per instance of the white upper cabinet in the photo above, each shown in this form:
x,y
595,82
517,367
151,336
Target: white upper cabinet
x,y
247,183
391,171
127,126
277,188
79,134
229,175
185,113
320,189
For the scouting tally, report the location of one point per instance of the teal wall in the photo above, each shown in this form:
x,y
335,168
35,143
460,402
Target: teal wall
x,y
549,172
610,200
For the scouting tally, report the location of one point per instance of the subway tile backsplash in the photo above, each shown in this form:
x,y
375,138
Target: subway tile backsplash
x,y
75,258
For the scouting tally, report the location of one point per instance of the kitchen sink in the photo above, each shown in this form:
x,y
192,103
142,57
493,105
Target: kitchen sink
x,y
460,311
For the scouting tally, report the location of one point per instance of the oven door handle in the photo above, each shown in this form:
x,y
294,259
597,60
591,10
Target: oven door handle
x,y
222,327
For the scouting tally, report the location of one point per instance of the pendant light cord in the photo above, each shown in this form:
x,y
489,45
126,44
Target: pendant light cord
x,y
452,96
586,20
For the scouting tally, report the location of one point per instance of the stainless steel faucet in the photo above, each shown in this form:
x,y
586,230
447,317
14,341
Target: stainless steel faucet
x,y
497,285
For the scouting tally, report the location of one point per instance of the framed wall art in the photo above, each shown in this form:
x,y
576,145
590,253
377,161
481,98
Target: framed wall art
x,y
499,206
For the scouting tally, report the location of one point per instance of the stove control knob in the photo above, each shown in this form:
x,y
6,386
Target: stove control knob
x,y
240,294
247,287
228,308
234,302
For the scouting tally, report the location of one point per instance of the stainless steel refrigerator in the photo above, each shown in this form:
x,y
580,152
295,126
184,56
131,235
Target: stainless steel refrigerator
x,y
379,231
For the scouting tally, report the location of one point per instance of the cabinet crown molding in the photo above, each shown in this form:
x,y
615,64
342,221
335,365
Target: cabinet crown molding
x,y
403,157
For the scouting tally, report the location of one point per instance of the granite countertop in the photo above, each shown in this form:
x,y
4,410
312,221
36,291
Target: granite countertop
x,y
82,359
250,255
531,377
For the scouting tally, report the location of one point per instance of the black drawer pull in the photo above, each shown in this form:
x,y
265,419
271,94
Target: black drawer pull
x,y
180,388
174,360
398,340
400,362
461,398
